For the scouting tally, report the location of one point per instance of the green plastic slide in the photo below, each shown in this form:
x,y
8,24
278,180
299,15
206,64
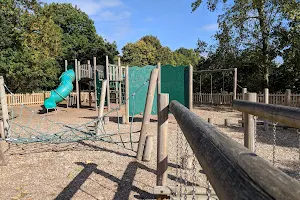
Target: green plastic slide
x,y
62,91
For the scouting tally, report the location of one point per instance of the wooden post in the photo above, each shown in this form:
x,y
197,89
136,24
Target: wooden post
x,y
288,97
210,120
148,148
66,65
95,82
90,89
235,83
162,140
2,157
101,105
159,79
191,87
108,85
126,120
120,82
244,92
226,122
233,170
77,84
2,133
249,125
266,101
5,116
147,113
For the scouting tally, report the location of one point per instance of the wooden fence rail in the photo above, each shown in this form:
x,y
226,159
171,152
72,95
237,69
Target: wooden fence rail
x,y
227,99
38,98
233,170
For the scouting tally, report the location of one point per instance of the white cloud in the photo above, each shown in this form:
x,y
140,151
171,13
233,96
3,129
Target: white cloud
x,y
113,16
210,27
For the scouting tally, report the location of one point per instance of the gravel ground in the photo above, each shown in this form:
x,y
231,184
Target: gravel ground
x,y
102,170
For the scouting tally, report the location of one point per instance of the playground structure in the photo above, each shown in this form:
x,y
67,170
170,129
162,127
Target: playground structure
x,y
214,151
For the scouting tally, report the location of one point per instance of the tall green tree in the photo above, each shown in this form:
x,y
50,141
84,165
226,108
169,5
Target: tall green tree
x,y
149,51
28,48
80,39
251,24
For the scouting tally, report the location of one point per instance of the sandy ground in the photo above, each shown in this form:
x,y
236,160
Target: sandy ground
x,y
102,170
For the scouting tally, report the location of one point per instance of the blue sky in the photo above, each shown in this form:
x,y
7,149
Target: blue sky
x,y
171,21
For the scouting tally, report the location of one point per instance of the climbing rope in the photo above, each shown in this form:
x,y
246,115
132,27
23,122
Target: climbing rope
x,y
39,128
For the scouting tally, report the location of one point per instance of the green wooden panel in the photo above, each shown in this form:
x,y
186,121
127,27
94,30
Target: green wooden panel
x,y
175,82
137,77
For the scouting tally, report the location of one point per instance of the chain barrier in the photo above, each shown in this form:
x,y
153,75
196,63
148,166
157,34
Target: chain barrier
x,y
274,143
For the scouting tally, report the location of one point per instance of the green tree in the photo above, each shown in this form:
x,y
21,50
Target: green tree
x,y
80,39
27,53
250,24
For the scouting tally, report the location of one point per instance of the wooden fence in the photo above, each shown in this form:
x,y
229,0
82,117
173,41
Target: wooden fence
x,y
226,99
38,98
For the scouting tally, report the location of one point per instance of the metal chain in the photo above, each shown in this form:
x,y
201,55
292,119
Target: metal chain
x,y
194,178
186,169
274,142
255,133
181,166
208,189
177,158
298,145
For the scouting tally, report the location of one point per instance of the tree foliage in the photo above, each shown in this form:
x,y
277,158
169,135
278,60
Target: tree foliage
x,y
252,35
37,38
149,51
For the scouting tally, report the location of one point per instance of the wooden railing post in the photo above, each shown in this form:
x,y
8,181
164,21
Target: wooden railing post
x,y
288,97
234,83
101,106
162,140
244,92
266,101
5,116
191,87
147,113
108,83
126,121
249,125
95,82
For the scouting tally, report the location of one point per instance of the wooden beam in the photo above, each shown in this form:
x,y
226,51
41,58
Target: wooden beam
x,y
120,82
266,101
108,83
235,83
288,94
233,170
126,96
5,116
191,87
77,84
249,126
162,140
101,106
147,114
289,116
95,82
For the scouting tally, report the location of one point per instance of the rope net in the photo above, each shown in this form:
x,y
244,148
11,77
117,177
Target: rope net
x,y
31,126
